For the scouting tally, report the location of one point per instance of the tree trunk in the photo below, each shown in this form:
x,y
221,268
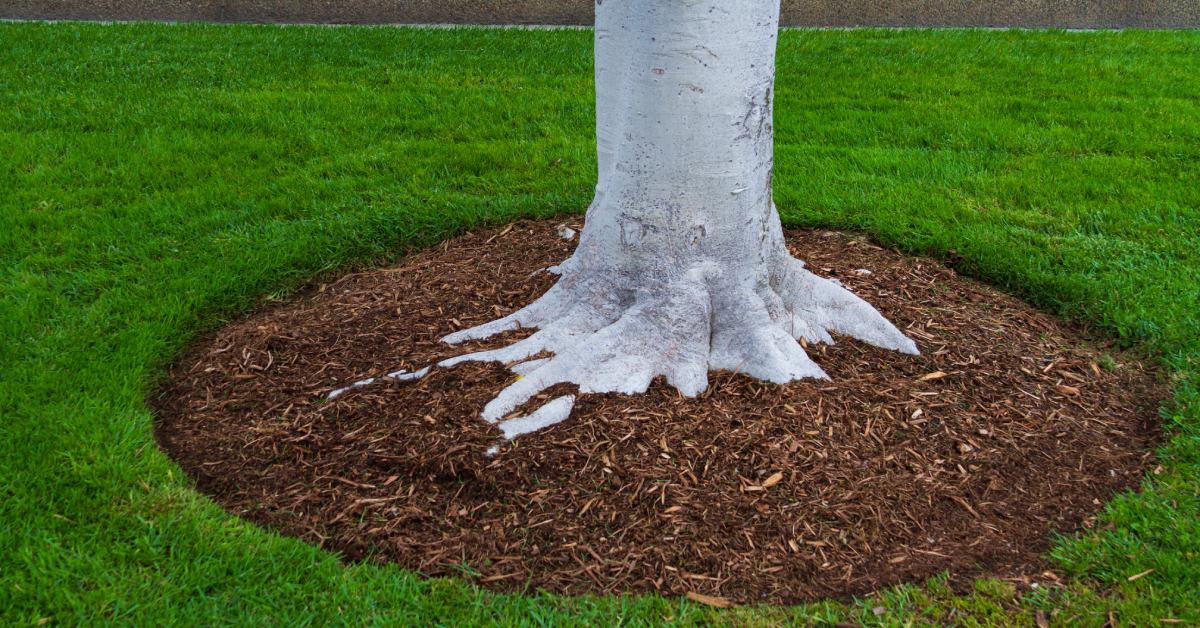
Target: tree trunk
x,y
681,267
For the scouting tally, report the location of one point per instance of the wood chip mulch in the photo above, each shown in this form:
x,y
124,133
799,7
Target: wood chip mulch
x,y
1009,427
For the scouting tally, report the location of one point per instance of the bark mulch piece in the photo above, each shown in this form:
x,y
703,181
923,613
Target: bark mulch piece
x,y
965,459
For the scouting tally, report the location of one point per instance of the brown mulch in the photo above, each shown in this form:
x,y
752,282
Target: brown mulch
x,y
965,459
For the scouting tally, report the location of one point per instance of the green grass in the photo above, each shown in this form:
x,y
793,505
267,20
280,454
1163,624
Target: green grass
x,y
157,180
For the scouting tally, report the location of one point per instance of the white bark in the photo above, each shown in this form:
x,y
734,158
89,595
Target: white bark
x,y
554,412
681,267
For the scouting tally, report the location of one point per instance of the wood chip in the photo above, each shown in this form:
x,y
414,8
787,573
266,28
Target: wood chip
x,y
709,600
756,492
773,480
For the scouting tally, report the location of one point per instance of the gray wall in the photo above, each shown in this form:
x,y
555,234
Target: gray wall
x,y
1033,13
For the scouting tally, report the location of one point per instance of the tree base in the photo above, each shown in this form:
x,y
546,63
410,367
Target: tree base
x,y
681,329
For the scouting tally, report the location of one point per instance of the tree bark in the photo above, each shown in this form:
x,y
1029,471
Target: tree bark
x,y
681,267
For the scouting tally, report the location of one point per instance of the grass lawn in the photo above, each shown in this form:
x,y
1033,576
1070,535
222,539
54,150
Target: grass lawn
x,y
157,180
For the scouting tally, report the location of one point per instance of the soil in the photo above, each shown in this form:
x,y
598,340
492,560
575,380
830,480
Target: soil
x,y
1010,427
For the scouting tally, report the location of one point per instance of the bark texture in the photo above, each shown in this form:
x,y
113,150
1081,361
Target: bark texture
x,y
681,267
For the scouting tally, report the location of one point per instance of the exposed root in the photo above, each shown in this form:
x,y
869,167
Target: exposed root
x,y
601,348
398,376
334,394
816,306
556,411
605,338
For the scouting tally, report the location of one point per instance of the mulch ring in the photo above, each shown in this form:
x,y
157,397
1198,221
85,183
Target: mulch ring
x,y
1010,426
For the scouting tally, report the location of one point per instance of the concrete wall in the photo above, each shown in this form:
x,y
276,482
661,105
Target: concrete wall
x,y
1030,13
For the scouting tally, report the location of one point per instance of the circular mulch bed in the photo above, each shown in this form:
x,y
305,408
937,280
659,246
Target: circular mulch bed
x,y
1010,426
